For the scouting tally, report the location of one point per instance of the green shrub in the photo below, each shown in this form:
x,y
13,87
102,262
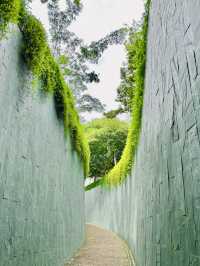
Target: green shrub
x,y
107,138
137,60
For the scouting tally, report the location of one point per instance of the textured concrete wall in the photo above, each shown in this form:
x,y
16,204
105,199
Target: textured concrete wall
x,y
157,210
41,179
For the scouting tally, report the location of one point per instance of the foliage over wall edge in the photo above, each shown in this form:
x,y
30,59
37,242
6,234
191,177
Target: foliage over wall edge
x,y
121,170
41,63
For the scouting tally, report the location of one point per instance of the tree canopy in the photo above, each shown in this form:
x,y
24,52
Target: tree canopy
x,y
66,43
107,138
125,91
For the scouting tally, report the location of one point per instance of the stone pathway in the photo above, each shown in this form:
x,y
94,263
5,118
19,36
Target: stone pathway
x,y
102,248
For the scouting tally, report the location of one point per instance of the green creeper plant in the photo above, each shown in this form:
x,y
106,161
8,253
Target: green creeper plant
x,y
137,61
41,63
9,12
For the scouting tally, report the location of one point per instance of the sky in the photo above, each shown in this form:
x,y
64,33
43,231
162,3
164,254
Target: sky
x,y
98,18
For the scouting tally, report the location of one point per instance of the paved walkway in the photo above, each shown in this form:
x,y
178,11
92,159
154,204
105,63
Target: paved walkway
x,y
102,248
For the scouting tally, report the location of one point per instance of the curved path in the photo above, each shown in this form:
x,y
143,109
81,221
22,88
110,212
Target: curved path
x,y
102,248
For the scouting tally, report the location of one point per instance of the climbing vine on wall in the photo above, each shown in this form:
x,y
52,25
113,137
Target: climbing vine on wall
x,y
136,50
41,63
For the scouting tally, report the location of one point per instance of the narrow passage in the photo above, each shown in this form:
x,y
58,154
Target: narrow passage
x,y
102,248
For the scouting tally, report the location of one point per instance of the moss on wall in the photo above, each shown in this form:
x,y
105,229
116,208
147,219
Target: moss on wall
x,y
137,61
43,66
9,12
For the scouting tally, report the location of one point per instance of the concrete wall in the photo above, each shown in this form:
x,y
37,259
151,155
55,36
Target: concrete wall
x,y
157,209
41,179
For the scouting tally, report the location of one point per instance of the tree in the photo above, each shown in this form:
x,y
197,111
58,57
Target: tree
x,y
125,91
66,43
89,103
113,113
94,51
107,138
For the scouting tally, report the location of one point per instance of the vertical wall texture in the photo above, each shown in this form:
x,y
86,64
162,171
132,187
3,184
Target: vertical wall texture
x,y
41,178
157,209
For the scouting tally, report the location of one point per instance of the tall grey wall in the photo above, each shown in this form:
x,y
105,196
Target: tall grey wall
x,y
157,209
41,179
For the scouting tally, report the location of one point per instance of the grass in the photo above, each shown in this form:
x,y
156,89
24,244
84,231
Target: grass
x,y
41,63
137,61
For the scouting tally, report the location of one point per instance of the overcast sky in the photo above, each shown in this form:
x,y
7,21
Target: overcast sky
x,y
98,18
